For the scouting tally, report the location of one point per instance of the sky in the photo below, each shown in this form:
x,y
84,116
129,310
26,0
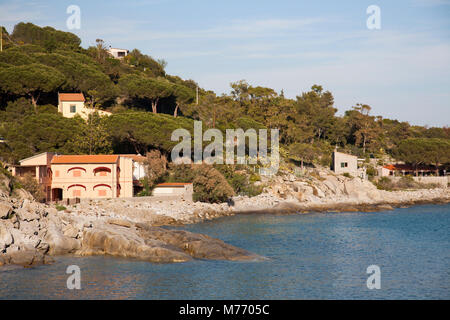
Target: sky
x,y
402,69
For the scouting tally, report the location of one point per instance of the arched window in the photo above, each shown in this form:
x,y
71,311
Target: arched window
x,y
102,192
76,171
76,192
102,185
102,171
76,168
76,185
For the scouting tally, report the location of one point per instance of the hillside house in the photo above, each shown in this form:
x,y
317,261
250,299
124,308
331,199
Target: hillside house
x,y
70,104
118,53
346,163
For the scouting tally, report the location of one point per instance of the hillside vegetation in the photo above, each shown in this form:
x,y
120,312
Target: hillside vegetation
x,y
148,104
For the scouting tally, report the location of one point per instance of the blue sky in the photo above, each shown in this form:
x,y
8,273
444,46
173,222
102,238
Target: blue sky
x,y
402,70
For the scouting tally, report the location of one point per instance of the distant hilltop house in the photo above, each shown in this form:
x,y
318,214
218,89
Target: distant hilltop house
x,y
70,104
68,177
118,53
346,163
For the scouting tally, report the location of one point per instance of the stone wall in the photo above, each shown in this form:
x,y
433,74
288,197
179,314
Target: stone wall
x,y
442,181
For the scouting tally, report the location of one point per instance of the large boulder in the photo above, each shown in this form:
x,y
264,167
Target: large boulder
x,y
197,245
24,255
127,244
155,244
58,243
70,231
6,210
22,194
6,239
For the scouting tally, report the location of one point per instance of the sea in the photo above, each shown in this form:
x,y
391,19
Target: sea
x,y
398,254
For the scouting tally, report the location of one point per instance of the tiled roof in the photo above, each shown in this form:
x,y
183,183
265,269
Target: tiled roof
x,y
71,97
109,158
173,184
407,167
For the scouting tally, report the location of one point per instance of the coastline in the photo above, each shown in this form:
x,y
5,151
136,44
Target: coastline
x,y
32,233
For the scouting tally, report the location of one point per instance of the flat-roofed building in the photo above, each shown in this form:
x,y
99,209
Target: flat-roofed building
x,y
118,53
175,189
344,163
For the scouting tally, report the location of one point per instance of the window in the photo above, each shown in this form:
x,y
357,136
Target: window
x,y
102,193
73,108
102,171
76,193
57,173
344,164
77,173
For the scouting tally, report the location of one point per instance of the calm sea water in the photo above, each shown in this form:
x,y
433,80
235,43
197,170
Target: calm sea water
x,y
322,256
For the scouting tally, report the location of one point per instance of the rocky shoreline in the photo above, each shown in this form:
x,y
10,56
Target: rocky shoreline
x,y
32,233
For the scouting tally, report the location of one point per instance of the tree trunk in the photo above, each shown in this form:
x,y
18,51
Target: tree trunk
x,y
34,101
154,105
175,113
134,143
364,144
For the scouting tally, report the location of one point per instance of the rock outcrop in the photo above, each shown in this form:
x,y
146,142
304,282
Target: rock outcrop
x,y
322,190
31,232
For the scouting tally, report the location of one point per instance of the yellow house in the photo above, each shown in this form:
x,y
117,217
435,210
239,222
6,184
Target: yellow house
x,y
70,104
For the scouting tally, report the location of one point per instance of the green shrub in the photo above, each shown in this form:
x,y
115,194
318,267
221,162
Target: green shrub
x,y
406,182
251,190
29,183
181,173
60,208
209,184
347,175
240,179
147,188
254,177
371,171
384,183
